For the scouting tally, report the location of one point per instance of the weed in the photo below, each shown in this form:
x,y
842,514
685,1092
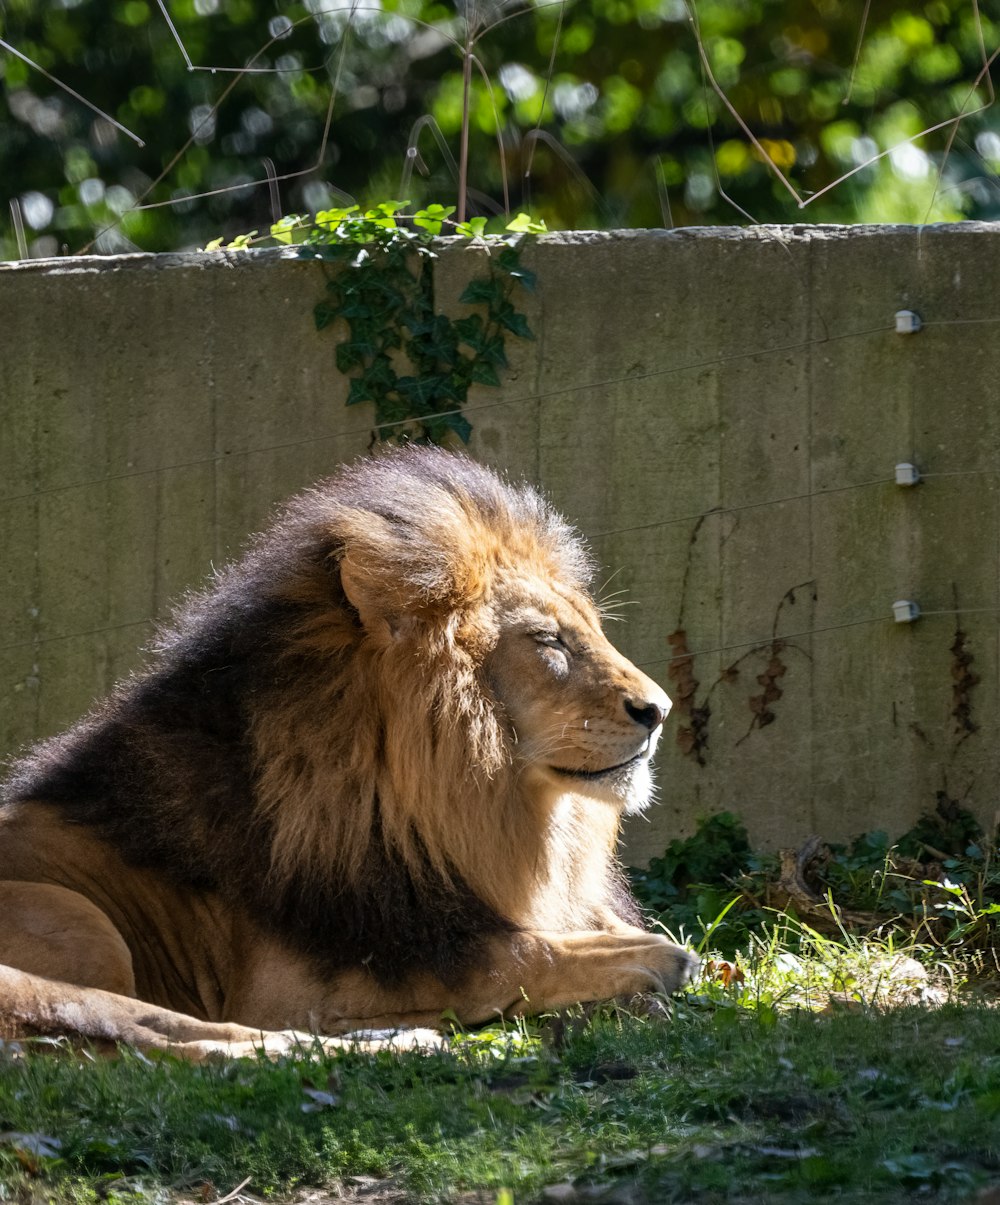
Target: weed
x,y
693,885
413,364
716,890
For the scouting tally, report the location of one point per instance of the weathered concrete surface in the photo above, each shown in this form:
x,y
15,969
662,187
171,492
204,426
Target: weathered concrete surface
x,y
720,411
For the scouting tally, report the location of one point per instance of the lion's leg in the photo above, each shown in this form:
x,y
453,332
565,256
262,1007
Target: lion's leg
x,y
527,973
552,970
538,971
59,934
65,970
31,1006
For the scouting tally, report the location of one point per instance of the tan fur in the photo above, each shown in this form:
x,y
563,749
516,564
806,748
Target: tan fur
x,y
460,718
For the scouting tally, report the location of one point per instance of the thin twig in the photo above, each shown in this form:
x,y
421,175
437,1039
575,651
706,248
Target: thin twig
x,y
496,121
18,220
463,152
526,178
717,89
231,1196
857,52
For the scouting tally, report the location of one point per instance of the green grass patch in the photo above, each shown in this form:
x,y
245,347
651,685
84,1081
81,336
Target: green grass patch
x,y
716,1103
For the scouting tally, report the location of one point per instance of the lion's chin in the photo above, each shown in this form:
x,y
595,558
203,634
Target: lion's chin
x,y
628,785
600,775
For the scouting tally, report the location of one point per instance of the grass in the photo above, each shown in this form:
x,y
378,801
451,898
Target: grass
x,y
793,1080
719,1103
811,1065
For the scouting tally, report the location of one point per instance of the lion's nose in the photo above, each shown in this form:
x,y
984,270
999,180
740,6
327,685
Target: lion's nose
x,y
649,715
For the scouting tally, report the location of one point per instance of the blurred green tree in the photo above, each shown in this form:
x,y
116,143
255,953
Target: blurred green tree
x,y
591,112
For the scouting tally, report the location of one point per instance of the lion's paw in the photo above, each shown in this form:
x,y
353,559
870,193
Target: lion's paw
x,y
669,967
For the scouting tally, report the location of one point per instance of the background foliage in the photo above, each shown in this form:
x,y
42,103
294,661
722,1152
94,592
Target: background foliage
x,y
603,110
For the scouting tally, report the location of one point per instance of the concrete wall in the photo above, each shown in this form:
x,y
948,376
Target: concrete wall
x,y
720,411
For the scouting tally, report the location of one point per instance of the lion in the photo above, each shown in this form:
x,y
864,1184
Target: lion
x,y
371,777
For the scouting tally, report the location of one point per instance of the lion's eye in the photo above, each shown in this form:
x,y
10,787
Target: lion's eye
x,y
551,640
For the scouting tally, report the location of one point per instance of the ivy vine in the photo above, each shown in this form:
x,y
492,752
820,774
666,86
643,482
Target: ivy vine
x,y
415,365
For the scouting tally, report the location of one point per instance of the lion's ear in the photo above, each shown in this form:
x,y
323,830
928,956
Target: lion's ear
x,y
380,611
400,574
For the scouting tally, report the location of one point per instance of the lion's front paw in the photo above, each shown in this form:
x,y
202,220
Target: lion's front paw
x,y
567,968
668,967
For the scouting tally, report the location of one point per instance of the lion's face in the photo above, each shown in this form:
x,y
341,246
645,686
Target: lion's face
x,y
582,716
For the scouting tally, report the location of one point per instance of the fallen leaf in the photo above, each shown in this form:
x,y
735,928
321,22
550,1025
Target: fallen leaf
x,y
724,972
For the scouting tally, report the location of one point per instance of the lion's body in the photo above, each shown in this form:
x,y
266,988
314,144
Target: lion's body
x,y
374,773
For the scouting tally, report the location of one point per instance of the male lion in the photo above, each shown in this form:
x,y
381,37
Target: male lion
x,y
376,772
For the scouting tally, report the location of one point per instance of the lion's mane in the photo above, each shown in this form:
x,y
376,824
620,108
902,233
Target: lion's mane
x,y
340,770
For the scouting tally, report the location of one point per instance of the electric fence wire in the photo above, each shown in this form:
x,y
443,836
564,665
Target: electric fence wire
x,y
758,642
765,642
830,761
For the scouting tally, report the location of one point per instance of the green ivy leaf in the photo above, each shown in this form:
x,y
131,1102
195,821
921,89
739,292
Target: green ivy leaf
x,y
494,351
354,308
360,392
422,390
483,373
351,355
441,343
517,324
509,260
433,217
417,324
383,216
474,228
381,374
449,422
284,231
471,331
387,295
421,361
325,313
388,208
330,219
524,277
524,223
479,292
